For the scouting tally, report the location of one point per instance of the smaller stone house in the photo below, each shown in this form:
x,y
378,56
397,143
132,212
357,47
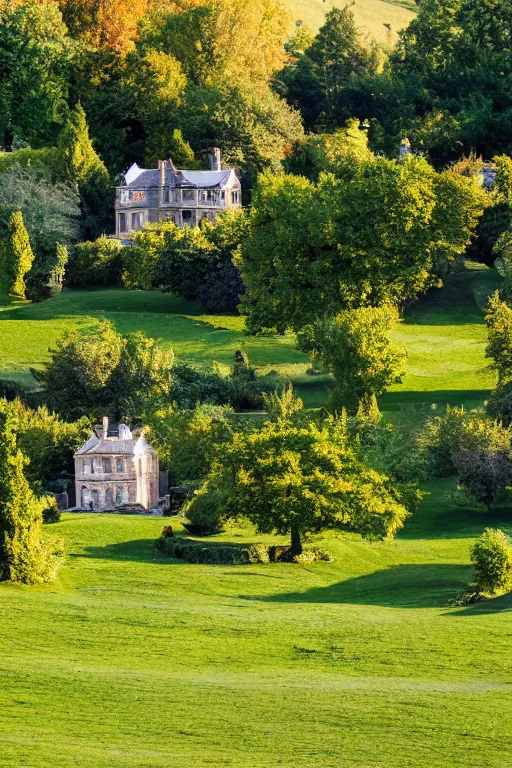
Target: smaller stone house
x,y
116,469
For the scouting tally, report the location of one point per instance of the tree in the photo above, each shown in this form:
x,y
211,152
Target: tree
x,y
36,55
355,347
18,254
50,209
498,318
25,556
96,263
141,381
295,479
81,166
326,82
491,555
105,24
96,371
76,377
384,231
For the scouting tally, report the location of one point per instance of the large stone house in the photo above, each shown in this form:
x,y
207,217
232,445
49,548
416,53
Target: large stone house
x,y
168,193
114,469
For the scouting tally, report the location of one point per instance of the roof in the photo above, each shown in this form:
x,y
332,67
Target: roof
x,y
143,178
113,446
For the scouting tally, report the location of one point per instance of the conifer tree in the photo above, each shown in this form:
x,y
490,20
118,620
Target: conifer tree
x,y
19,256
80,165
24,554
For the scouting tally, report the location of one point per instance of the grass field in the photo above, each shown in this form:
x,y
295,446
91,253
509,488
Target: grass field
x,y
137,661
444,335
370,15
134,660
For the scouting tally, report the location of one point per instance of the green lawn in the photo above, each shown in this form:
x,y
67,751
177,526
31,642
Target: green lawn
x,y
134,660
444,335
137,661
371,16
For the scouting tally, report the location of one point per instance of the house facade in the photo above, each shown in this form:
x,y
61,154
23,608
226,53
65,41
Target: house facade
x,y
115,469
171,194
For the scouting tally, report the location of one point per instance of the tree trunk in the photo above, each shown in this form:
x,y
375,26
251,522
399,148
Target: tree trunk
x,y
296,542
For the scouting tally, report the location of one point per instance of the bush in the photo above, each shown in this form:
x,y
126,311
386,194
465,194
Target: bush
x,y
51,511
492,558
192,385
97,262
499,406
191,551
204,511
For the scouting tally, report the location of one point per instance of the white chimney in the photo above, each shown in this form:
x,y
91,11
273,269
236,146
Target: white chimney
x,y
124,432
215,160
105,427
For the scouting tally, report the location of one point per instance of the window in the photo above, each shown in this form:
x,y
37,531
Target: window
x,y
92,466
136,220
235,197
137,195
188,194
223,195
122,222
207,195
109,497
96,498
121,494
167,195
153,216
107,466
187,216
124,195
119,464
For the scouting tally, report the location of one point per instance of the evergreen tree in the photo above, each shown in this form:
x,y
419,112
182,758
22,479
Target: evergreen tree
x,y
24,553
81,166
19,255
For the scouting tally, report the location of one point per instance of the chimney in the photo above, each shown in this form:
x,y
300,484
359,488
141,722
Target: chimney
x,y
105,427
215,160
124,432
161,168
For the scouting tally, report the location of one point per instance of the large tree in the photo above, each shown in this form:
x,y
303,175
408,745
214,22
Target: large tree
x,y
81,166
382,230
295,479
355,347
95,371
327,82
25,556
35,65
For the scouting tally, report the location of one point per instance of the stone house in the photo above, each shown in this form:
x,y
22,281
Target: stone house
x,y
116,468
168,193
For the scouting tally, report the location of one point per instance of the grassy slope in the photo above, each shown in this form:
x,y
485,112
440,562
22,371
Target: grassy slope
x,y
134,660
370,16
444,335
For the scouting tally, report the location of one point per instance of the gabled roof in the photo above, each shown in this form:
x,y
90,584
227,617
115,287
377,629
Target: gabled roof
x,y
112,446
142,178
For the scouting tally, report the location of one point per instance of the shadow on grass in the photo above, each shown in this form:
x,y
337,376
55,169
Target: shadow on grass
x,y
144,551
501,604
401,586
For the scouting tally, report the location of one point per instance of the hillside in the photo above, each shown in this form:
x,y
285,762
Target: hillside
x,y
370,15
444,334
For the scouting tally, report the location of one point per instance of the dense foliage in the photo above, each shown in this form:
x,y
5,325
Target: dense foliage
x,y
492,557
388,235
25,555
295,477
96,371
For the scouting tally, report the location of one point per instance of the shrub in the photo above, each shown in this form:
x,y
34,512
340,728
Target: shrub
x,y
492,558
191,551
51,511
499,406
204,510
192,385
95,262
